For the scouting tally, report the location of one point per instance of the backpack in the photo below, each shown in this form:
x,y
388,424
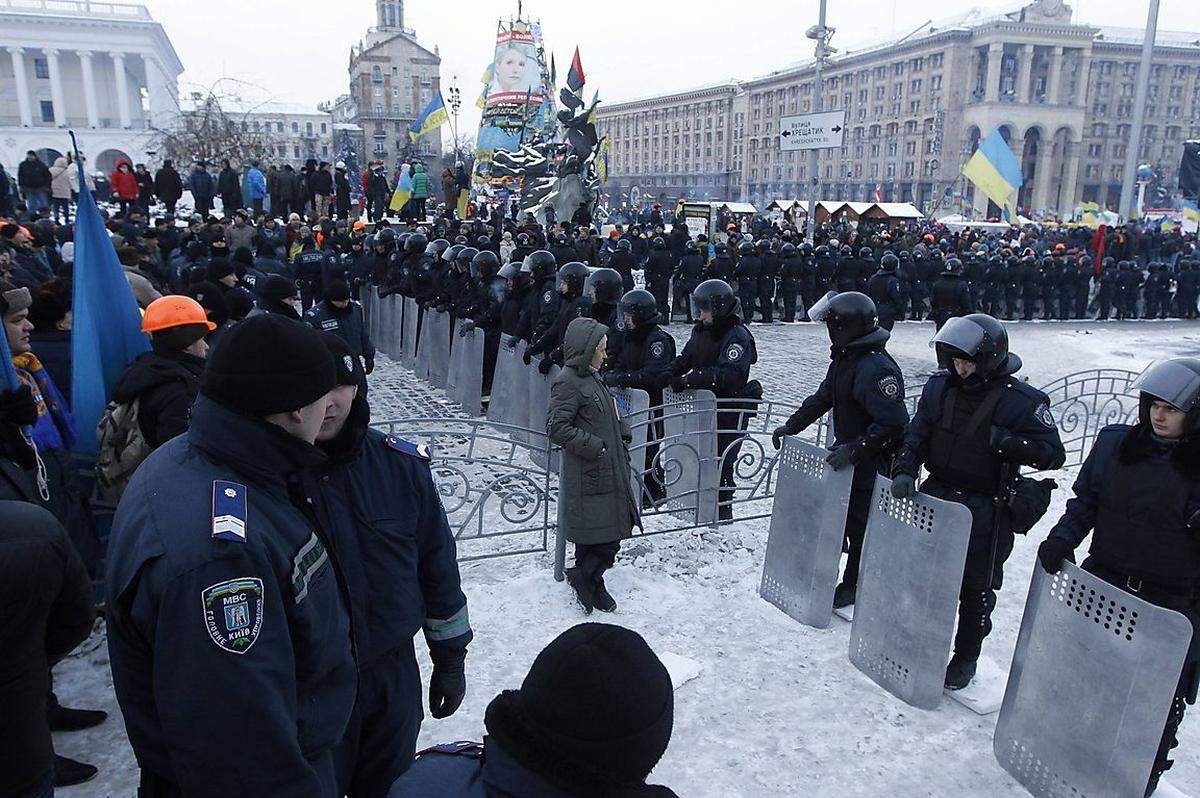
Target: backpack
x,y
123,447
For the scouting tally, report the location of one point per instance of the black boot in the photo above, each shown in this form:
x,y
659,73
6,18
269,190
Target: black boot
x,y
584,588
843,595
601,598
63,718
68,772
959,672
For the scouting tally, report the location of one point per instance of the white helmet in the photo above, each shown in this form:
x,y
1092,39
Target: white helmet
x,y
340,165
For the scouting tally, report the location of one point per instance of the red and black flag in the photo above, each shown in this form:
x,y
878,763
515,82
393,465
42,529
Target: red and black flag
x,y
576,78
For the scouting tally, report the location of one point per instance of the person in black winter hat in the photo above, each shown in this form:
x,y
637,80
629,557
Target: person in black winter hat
x,y
591,720
277,294
213,300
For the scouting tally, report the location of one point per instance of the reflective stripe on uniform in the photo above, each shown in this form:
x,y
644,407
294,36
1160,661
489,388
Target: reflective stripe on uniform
x,y
312,555
437,630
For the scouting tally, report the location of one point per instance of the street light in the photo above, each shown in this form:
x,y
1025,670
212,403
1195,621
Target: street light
x,y
455,104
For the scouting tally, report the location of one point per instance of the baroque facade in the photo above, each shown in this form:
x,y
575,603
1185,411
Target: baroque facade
x,y
1060,93
105,70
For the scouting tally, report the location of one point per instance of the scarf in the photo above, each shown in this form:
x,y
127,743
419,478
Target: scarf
x,y
55,427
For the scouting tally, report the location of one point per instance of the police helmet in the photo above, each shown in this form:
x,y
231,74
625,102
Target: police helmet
x,y
464,257
641,308
573,275
523,240
806,249
952,266
510,270
848,315
822,251
763,245
979,338
452,252
461,239
440,244
485,264
483,242
904,255
659,243
889,262
1176,382
541,264
715,296
625,245
431,249
604,285
416,243
847,250
866,253
788,250
385,237
720,248
746,248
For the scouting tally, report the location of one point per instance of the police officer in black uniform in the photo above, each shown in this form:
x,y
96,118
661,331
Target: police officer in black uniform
x,y
622,261
791,277
541,307
994,279
975,425
1138,495
884,290
746,272
951,296
826,272
486,311
660,265
768,274
644,361
717,358
572,304
690,273
1012,287
865,390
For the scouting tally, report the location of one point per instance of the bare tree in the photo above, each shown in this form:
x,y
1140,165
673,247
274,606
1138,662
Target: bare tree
x,y
212,123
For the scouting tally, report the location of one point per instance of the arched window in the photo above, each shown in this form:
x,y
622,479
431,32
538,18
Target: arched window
x,y
376,74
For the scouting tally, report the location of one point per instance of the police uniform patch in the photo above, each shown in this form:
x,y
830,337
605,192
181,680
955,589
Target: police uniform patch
x,y
547,297
734,352
657,348
228,511
404,447
348,362
1043,415
889,386
329,324
233,613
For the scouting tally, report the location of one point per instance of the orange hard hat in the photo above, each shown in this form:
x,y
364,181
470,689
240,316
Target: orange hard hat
x,y
359,224
174,310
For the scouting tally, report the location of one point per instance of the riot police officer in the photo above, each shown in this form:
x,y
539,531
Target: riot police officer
x,y
746,270
602,290
485,311
644,360
572,304
541,307
826,270
689,274
1129,280
791,277
1012,287
993,285
884,290
622,261
1050,276
719,268
1108,289
808,279
951,297
1137,494
768,274
718,357
976,424
1031,282
660,265
865,390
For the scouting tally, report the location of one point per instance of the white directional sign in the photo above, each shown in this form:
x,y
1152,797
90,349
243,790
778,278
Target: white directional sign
x,y
811,131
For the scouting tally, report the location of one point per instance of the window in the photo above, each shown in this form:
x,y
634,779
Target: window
x,y
1095,150
376,74
295,127
295,152
47,110
308,128
914,87
322,128
41,69
935,83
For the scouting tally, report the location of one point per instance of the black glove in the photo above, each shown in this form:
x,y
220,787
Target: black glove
x,y
678,384
526,358
903,486
1053,551
778,435
841,457
1012,447
544,365
368,364
447,687
18,407
465,329
511,343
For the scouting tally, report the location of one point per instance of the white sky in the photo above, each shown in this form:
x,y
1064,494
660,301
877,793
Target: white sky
x,y
298,50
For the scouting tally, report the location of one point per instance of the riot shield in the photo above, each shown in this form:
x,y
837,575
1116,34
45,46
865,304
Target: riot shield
x,y
412,333
808,523
688,455
539,406
465,381
368,298
907,600
634,406
439,348
1092,679
508,386
392,332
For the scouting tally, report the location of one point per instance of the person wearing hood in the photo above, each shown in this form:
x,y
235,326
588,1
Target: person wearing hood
x,y
203,187
256,187
124,186
401,573
420,190
599,509
547,738
340,315
145,182
1136,495
167,186
164,381
277,294
976,424
865,390
60,189
341,188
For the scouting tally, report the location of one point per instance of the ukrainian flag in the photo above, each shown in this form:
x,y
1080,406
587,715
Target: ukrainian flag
x,y
1191,211
403,192
996,172
433,117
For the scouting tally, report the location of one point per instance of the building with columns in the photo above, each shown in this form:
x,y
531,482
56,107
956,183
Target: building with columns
x,y
1060,93
105,70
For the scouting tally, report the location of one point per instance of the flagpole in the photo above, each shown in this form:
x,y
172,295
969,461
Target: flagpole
x,y
821,34
1139,113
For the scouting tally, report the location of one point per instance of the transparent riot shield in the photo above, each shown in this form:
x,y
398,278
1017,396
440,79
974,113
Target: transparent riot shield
x,y
438,364
412,334
634,406
907,600
392,320
808,523
1092,679
539,406
688,455
368,300
465,381
508,386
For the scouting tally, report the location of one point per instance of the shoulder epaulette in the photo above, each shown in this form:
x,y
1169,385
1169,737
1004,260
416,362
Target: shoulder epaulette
x,y
464,748
419,451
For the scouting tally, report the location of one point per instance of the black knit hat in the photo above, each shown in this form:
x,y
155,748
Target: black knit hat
x,y
218,268
337,291
349,367
276,286
594,714
268,364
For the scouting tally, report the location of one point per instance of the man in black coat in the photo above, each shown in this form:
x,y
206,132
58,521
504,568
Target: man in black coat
x,y
33,178
660,265
167,186
865,390
950,296
230,189
884,290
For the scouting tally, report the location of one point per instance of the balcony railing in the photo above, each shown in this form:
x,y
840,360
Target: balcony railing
x,y
75,8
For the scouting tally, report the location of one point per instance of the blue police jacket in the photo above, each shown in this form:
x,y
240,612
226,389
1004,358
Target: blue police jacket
x,y
346,324
228,633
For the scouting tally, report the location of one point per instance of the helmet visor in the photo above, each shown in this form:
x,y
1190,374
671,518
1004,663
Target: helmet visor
x,y
820,309
1170,381
961,334
509,270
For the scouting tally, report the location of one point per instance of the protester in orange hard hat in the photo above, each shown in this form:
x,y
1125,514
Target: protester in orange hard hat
x,y
164,381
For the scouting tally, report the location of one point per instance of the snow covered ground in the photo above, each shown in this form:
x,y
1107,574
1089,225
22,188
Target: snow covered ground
x,y
776,709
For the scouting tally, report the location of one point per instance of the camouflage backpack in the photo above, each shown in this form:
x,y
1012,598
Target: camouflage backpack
x,y
123,447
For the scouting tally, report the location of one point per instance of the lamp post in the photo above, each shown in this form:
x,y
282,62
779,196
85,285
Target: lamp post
x,y
455,104
821,35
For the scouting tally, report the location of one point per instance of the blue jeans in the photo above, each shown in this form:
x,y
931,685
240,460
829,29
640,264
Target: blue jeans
x,y
36,199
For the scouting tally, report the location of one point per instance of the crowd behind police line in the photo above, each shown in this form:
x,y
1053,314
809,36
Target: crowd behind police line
x,y
270,401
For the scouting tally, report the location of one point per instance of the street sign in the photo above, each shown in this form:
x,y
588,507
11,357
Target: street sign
x,y
811,131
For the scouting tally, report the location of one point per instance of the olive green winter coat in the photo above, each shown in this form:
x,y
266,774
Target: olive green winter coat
x,y
597,504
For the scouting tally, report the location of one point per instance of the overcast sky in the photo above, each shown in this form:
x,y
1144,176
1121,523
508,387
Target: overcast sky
x,y
298,50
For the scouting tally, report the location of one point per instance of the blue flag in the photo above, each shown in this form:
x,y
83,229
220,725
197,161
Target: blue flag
x,y
106,328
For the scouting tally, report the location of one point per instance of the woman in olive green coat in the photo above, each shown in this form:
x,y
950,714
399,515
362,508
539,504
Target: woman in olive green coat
x,y
598,508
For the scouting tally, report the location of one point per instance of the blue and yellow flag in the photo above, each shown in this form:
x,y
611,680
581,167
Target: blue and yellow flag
x,y
433,117
403,192
996,172
1191,211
